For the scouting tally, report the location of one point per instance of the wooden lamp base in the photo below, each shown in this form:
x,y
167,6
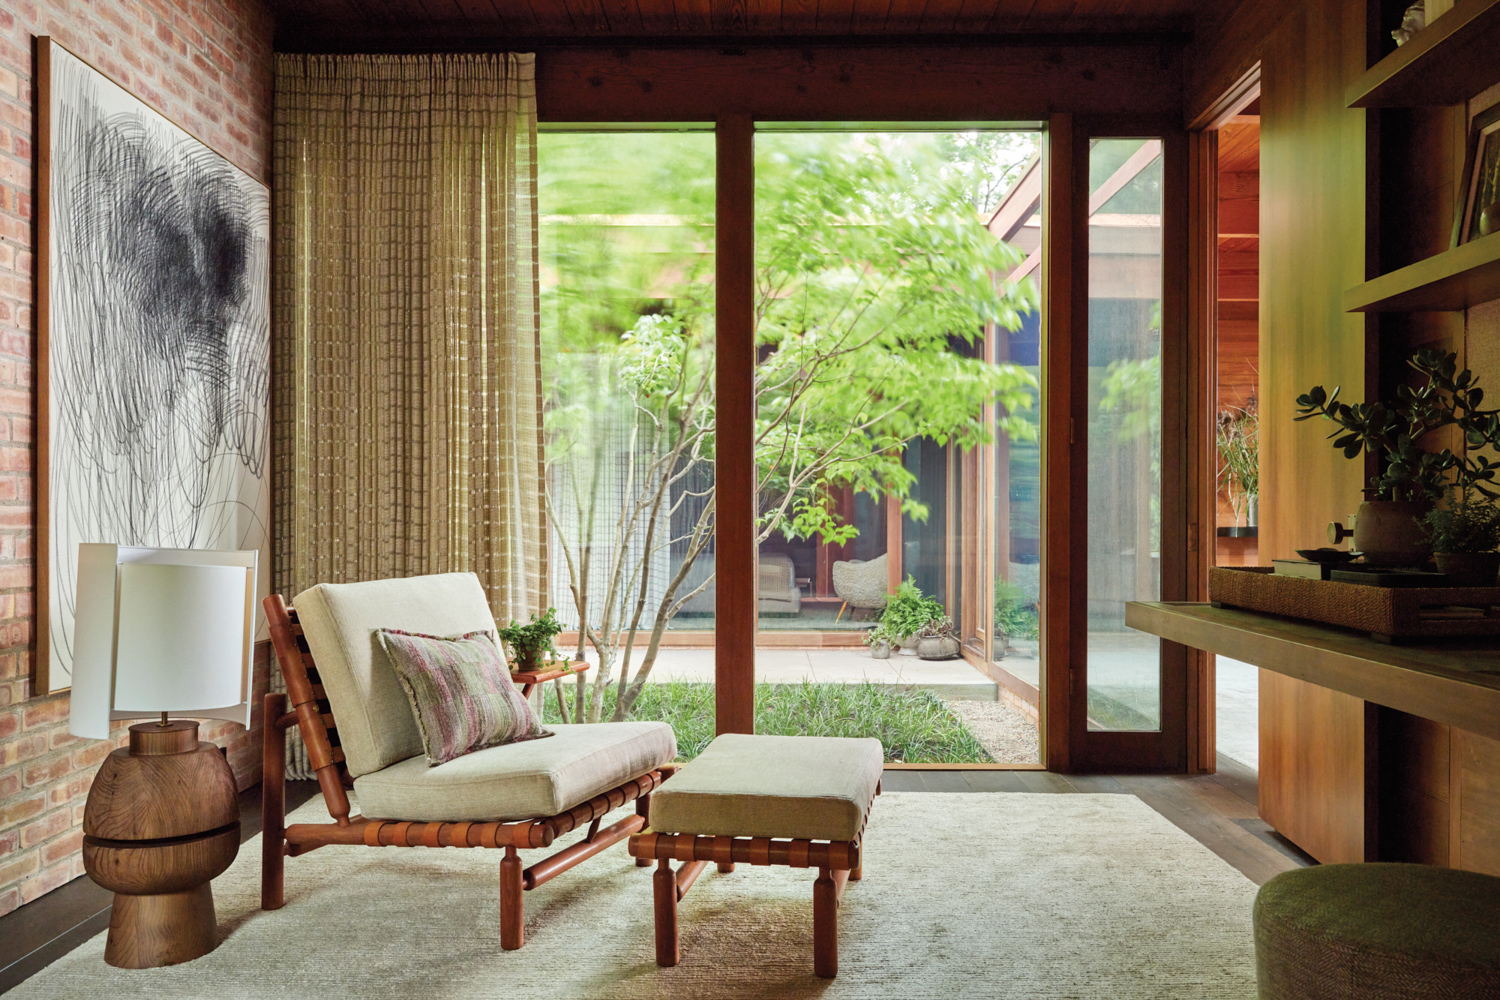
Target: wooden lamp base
x,y
162,819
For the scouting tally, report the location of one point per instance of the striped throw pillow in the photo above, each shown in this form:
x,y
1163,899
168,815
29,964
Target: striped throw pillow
x,y
460,691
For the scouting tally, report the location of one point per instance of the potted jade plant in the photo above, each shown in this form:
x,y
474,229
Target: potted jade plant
x,y
528,642
1388,528
1465,533
881,639
938,639
907,612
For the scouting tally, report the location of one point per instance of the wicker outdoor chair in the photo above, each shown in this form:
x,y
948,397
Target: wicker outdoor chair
x,y
361,734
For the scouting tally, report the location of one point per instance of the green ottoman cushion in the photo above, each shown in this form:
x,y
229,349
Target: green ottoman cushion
x,y
1377,931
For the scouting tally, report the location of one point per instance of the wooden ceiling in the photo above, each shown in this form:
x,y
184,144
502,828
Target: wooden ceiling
x,y
465,23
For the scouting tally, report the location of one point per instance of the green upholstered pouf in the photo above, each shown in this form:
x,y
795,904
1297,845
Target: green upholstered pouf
x,y
1378,931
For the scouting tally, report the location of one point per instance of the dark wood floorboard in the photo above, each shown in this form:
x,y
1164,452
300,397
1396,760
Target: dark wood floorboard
x,y
34,936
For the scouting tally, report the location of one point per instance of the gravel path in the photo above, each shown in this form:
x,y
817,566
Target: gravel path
x,y
1008,736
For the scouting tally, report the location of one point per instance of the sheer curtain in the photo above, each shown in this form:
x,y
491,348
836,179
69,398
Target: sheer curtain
x,y
407,378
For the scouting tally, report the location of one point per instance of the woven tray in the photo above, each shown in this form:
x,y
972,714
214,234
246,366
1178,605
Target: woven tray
x,y
1389,614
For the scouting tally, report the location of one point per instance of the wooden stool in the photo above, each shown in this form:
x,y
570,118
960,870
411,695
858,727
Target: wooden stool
x,y
1378,932
162,819
764,800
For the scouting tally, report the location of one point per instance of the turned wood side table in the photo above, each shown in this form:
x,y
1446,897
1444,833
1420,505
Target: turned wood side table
x,y
162,819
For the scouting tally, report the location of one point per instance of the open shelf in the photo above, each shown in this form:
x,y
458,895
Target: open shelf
x,y
1456,279
1448,62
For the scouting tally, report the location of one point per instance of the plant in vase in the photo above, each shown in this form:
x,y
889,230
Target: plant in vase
x,y
938,639
1387,528
528,642
1015,616
1237,440
881,639
1465,534
908,611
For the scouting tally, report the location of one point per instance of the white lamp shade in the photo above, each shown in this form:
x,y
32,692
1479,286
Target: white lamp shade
x,y
180,637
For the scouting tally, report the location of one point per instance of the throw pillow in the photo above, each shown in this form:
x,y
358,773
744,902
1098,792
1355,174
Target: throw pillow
x,y
460,692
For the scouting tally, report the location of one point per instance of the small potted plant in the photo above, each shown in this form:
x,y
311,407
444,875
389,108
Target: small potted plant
x,y
1465,534
528,642
1237,439
907,612
938,639
880,639
1387,528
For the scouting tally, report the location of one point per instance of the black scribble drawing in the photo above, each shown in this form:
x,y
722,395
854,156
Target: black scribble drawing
x,y
159,338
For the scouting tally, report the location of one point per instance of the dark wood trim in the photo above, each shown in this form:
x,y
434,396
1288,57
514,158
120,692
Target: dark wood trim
x,y
41,656
736,610
1064,607
928,82
1447,63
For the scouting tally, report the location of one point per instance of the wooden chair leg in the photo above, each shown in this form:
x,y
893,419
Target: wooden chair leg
x,y
664,887
643,810
273,806
512,909
858,873
826,925
726,867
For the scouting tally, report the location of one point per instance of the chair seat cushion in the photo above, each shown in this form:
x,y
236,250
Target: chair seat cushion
x,y
519,780
1377,931
794,787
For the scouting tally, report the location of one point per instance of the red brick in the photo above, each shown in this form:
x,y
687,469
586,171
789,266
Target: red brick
x,y
43,774
45,828
63,848
92,755
34,888
45,713
19,867
9,900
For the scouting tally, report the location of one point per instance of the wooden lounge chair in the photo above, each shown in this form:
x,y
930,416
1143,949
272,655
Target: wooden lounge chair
x,y
360,734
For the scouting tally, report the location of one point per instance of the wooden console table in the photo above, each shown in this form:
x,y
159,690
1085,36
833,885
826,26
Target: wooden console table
x,y
1367,751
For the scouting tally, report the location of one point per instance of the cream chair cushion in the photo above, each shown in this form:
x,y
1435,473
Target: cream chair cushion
x,y
796,787
519,780
375,723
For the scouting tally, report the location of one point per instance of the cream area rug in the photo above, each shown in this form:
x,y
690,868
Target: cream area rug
x,y
964,896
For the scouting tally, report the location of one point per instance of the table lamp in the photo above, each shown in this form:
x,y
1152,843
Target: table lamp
x,y
157,633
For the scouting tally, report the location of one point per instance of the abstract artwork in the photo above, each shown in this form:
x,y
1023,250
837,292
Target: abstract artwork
x,y
154,354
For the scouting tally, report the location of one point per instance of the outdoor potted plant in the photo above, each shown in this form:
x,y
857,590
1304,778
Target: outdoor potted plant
x,y
528,642
1237,439
1387,528
1465,535
938,639
907,612
880,639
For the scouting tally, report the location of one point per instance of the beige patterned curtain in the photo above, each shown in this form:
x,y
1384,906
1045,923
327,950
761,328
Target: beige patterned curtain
x,y
406,397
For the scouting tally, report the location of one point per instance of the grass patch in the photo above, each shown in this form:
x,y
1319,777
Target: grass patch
x,y
914,726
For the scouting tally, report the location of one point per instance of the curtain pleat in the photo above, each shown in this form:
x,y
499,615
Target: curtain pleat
x,y
407,379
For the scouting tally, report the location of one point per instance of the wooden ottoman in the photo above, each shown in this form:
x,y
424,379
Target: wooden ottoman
x,y
800,801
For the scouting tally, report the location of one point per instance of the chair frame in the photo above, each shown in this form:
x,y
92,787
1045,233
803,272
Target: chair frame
x,y
312,714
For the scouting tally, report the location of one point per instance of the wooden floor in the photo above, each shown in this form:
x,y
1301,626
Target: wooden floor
x,y
1217,810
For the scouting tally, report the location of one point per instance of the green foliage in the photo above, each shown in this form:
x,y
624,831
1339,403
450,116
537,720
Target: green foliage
x,y
1015,612
882,633
914,726
1447,398
909,612
1237,439
1469,523
534,637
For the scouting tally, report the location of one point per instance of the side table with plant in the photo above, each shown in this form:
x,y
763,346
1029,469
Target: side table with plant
x,y
1388,527
528,642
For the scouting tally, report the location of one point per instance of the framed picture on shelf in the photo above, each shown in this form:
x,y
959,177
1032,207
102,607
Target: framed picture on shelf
x,y
1481,180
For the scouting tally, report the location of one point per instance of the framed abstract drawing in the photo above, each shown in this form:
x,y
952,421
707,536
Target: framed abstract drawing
x,y
1479,207
153,354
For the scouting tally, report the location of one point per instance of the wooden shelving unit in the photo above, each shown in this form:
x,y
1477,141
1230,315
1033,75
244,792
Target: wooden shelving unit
x,y
1448,62
1462,277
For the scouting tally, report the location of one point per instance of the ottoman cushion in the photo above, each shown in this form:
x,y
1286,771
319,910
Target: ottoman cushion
x,y
791,787
1376,931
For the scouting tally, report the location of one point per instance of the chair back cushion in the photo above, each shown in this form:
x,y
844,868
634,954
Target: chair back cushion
x,y
460,692
376,726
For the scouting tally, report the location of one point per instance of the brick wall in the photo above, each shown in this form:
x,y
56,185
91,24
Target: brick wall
x,y
206,64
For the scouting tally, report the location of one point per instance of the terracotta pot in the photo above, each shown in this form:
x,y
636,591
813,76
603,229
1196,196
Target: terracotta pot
x,y
880,650
1388,534
1469,569
937,647
527,662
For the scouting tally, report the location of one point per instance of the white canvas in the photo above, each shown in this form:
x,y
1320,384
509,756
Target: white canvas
x,y
158,339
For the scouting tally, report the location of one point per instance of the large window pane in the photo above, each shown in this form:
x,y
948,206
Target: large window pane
x,y
628,348
1124,430
881,294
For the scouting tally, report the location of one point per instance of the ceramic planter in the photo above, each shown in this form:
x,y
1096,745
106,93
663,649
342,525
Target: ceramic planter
x,y
880,650
1388,532
937,647
1469,569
